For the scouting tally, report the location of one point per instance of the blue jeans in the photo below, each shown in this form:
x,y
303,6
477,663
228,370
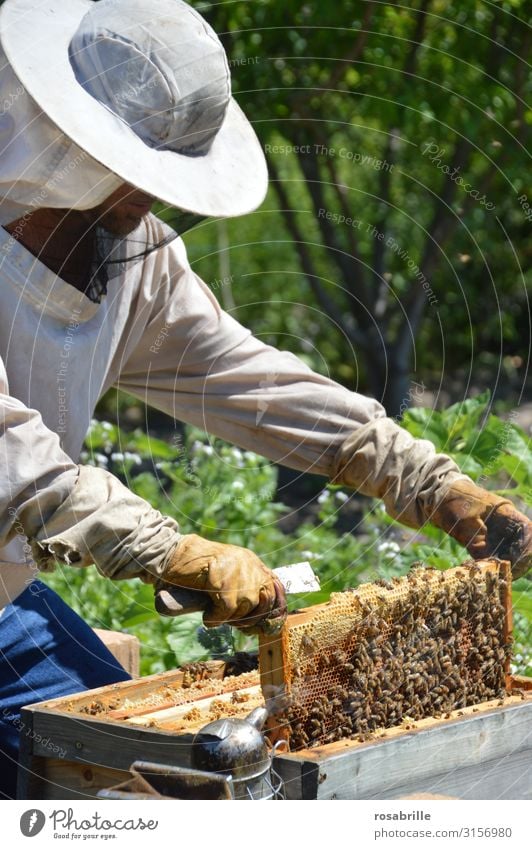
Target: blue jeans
x,y
46,651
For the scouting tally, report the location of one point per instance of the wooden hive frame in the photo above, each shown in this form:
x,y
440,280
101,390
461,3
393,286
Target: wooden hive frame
x,y
299,667
482,752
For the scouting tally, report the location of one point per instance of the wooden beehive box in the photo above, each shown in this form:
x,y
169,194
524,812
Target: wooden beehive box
x,y
484,753
74,746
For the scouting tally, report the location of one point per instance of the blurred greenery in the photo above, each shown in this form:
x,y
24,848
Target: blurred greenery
x,y
374,112
218,491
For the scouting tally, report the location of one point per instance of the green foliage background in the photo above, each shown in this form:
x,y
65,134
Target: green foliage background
x,y
382,83
218,491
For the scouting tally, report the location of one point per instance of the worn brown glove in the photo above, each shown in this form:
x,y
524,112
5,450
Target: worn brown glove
x,y
485,524
240,588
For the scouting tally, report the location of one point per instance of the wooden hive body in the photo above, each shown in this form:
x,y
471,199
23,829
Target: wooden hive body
x,y
475,752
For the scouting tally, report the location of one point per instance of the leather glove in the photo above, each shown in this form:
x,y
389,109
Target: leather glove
x,y
485,524
240,589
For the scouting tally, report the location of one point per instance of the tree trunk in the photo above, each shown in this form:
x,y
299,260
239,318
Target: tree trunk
x,y
388,379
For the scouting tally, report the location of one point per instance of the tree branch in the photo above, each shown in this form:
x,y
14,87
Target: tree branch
x,y
331,242
328,305
442,225
357,49
385,182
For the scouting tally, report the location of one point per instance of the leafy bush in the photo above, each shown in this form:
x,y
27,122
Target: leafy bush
x,y
218,491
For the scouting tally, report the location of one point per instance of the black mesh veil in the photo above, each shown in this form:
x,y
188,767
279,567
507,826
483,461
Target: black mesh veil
x,y
113,255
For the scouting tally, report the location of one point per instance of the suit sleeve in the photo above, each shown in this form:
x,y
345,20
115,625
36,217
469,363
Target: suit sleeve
x,y
196,363
74,514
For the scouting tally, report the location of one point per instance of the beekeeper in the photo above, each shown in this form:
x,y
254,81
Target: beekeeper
x,y
105,107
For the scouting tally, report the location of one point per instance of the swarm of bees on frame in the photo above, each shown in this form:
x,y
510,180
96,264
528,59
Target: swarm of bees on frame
x,y
437,646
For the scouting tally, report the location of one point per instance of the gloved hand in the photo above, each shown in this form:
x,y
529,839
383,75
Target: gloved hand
x,y
240,589
103,522
418,485
485,524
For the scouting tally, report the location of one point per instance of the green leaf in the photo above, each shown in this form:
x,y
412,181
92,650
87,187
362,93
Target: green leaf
x,y
522,603
425,423
140,618
143,443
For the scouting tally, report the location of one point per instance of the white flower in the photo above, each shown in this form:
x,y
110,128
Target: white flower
x,y
107,426
133,457
341,496
117,457
389,546
237,485
208,450
101,459
388,549
323,496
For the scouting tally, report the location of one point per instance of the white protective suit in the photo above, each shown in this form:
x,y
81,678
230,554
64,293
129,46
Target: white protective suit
x,y
160,335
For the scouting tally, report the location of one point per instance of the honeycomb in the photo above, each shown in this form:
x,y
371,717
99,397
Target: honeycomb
x,y
390,652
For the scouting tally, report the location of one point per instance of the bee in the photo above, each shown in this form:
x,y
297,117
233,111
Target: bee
x,y
187,680
308,644
316,733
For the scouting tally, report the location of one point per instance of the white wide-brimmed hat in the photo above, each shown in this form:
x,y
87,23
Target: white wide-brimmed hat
x,y
143,86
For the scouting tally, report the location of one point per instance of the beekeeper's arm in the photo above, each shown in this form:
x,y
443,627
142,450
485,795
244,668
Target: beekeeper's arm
x,y
199,365
80,515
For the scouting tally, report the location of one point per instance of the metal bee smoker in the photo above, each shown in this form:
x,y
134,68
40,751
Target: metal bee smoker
x,y
236,748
